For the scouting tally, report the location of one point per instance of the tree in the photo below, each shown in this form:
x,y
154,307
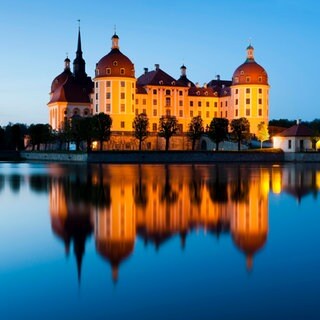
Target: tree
x,y
140,125
263,132
82,129
102,128
240,129
168,126
195,130
40,133
218,130
65,133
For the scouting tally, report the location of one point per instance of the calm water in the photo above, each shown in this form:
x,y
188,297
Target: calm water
x,y
159,242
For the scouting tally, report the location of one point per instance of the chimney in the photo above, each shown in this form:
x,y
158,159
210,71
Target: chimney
x,y
145,70
218,77
157,66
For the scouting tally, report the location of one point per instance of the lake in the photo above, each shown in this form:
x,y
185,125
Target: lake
x,y
225,241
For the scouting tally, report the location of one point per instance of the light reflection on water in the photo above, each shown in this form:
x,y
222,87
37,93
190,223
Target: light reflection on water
x,y
186,228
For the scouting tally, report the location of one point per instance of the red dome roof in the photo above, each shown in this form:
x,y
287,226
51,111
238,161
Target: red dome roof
x,y
115,64
250,72
60,80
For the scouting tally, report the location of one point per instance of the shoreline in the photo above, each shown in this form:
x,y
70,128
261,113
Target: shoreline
x,y
187,157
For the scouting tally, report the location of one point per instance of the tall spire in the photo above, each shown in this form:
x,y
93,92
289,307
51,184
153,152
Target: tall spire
x,y
79,65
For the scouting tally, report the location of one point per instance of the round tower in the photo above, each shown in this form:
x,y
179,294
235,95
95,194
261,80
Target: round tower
x,y
250,92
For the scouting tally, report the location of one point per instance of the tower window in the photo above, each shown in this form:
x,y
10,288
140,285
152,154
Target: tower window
x,y
168,92
247,79
108,84
237,101
260,101
122,71
247,90
108,71
237,91
242,72
122,84
97,84
122,124
108,107
247,112
207,104
248,101
115,63
237,113
260,112
191,113
260,79
260,90
122,95
122,107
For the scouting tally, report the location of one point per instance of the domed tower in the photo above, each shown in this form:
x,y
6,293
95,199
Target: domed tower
x,y
70,92
250,92
114,87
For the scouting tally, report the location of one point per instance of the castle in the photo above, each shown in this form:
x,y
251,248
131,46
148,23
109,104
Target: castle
x,y
116,91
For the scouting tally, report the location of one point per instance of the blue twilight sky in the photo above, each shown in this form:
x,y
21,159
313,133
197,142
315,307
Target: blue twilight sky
x,y
208,36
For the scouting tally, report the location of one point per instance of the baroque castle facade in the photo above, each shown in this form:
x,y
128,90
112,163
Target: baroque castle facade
x,y
116,91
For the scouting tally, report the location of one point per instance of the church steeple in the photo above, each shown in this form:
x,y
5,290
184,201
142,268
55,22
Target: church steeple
x,y
79,65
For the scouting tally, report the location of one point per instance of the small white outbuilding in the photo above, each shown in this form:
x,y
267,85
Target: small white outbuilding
x,y
297,138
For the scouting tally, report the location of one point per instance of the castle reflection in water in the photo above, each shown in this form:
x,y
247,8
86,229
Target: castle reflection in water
x,y
118,203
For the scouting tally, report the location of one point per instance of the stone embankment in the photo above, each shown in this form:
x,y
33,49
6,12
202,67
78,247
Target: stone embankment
x,y
171,156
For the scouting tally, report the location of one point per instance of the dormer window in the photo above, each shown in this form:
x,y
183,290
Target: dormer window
x,y
115,63
242,72
160,82
97,72
260,79
247,79
173,83
236,79
108,71
198,93
122,71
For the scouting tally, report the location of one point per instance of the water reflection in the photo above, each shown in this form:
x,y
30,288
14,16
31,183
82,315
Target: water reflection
x,y
115,204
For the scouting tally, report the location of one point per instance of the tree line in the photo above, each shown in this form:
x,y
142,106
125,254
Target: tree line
x,y
98,128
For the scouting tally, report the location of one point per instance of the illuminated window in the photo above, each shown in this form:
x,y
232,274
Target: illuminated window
x,y
122,84
137,101
137,112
